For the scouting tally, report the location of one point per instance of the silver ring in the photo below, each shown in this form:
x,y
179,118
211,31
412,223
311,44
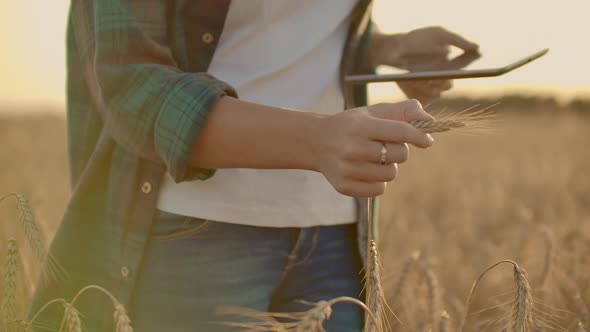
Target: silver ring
x,y
383,157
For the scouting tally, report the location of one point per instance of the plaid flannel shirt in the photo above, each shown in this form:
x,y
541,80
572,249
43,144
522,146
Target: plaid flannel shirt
x,y
138,93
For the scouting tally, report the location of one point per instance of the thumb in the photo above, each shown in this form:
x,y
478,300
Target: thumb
x,y
408,110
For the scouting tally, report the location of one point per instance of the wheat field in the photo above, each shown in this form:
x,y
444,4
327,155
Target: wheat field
x,y
521,193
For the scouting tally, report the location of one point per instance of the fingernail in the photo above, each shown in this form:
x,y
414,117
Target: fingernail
x,y
430,138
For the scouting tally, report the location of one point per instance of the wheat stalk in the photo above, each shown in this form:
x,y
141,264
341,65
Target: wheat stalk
x,y
34,237
522,308
374,290
405,272
308,321
9,289
568,287
71,320
122,321
313,320
521,317
466,120
583,311
548,257
444,322
434,295
27,220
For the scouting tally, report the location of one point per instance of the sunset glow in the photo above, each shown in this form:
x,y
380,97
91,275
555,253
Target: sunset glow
x,y
32,64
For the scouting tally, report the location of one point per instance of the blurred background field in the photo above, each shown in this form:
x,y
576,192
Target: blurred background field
x,y
522,193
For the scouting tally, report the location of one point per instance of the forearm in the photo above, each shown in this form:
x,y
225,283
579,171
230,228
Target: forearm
x,y
239,134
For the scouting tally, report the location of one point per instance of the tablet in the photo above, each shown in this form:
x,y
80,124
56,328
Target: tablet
x,y
463,66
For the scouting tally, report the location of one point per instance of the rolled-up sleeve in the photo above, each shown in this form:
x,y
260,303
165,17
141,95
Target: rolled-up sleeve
x,y
148,104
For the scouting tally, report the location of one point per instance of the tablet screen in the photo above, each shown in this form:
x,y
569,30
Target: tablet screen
x,y
465,65
465,61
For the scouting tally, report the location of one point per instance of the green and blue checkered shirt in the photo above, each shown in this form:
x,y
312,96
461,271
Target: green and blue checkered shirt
x,y
138,94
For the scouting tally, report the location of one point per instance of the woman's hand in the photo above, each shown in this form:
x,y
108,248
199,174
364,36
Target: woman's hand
x,y
418,50
349,145
425,91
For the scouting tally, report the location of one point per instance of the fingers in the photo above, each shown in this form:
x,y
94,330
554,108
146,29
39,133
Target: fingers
x,y
399,132
408,110
360,188
451,38
369,172
425,91
371,153
391,123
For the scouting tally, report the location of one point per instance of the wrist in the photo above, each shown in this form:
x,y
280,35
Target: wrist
x,y
386,49
313,138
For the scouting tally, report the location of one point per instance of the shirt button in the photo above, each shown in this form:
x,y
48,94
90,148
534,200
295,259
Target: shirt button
x,y
207,38
125,271
146,188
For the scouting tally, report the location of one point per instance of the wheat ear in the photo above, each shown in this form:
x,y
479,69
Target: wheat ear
x,y
9,289
308,321
521,317
313,320
549,241
582,309
467,120
434,295
34,237
405,272
27,220
522,308
374,292
122,321
444,322
580,327
71,321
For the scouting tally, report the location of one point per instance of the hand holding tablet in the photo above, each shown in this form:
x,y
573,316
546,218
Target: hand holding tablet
x,y
428,68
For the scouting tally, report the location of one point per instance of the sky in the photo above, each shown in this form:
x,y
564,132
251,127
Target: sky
x,y
32,32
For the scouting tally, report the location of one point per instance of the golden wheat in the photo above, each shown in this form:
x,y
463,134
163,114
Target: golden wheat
x,y
308,321
34,237
549,240
521,315
408,265
375,297
122,321
31,230
9,290
445,322
522,307
71,320
548,268
582,309
434,295
469,121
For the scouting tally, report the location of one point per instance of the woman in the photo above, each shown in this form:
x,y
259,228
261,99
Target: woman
x,y
211,163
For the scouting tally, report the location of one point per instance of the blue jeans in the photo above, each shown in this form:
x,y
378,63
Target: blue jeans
x,y
194,266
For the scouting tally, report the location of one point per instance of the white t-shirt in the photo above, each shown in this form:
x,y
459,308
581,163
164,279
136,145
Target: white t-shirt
x,y
281,53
